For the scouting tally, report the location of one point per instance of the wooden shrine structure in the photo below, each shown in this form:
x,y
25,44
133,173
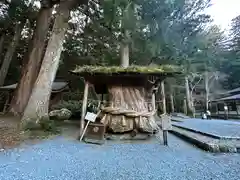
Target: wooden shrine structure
x,y
129,107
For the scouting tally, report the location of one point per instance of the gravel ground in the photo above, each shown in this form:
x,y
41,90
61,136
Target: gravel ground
x,y
216,127
61,159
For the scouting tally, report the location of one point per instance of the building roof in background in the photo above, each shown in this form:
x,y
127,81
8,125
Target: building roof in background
x,y
234,97
57,86
234,90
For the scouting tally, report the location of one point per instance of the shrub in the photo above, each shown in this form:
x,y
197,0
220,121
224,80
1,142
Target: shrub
x,y
75,107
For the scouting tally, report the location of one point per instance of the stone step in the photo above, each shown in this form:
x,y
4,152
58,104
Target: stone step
x,y
207,143
205,133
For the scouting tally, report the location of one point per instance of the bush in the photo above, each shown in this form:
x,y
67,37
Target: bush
x,y
49,126
43,125
75,107
75,95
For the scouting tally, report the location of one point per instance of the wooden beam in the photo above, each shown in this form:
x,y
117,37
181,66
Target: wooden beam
x,y
84,108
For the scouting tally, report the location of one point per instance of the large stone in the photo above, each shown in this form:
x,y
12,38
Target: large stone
x,y
62,114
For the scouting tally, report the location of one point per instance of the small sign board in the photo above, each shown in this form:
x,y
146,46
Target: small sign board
x,y
91,117
166,122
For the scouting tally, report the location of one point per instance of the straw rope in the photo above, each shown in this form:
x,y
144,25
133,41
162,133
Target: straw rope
x,y
128,113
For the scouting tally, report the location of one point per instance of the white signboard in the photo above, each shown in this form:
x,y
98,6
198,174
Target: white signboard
x,y
91,117
166,122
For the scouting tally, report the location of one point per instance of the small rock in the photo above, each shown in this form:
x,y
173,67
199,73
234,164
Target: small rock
x,y
213,148
62,114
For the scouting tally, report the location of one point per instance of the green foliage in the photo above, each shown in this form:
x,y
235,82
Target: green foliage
x,y
49,126
169,34
75,106
72,105
43,124
231,64
235,34
162,32
30,125
14,12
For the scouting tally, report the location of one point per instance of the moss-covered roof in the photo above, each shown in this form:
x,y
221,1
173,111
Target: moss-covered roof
x,y
108,70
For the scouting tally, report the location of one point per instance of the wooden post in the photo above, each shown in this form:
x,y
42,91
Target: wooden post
x,y
236,107
172,103
153,101
185,106
166,125
102,98
84,108
163,97
217,109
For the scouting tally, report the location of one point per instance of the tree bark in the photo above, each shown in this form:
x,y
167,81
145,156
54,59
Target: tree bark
x,y
172,101
128,111
185,107
9,54
124,49
206,90
188,97
34,60
124,55
37,107
163,97
2,38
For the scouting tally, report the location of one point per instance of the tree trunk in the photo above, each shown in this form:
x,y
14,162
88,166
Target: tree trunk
x,y
128,111
124,49
188,98
9,54
163,97
124,55
172,103
185,107
34,60
37,107
2,38
206,90
11,49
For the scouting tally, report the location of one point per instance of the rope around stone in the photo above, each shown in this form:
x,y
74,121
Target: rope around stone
x,y
128,113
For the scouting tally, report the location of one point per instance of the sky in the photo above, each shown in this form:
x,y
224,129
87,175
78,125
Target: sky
x,y
223,11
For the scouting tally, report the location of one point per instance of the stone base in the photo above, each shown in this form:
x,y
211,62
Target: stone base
x,y
94,141
128,136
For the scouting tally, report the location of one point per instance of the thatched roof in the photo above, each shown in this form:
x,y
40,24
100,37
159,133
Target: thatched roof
x,y
131,70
